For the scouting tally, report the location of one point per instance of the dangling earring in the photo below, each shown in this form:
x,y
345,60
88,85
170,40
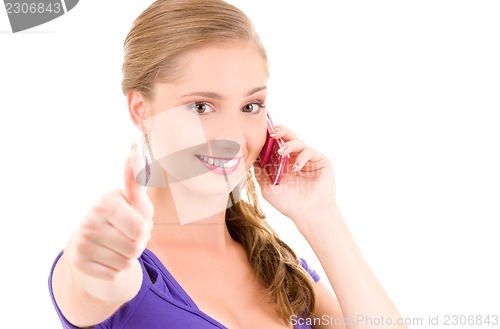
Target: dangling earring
x,y
147,157
235,194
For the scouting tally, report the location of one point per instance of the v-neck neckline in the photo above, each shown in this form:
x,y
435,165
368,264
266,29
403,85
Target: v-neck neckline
x,y
179,288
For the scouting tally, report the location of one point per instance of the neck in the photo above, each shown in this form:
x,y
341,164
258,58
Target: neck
x,y
185,218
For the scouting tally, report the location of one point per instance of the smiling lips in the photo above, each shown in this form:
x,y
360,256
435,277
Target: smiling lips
x,y
221,166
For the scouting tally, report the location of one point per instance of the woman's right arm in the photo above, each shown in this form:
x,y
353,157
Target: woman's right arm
x,y
99,271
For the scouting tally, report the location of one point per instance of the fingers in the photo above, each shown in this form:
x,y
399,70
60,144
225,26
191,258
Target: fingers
x,y
99,262
97,270
106,257
298,150
116,211
116,230
292,145
295,145
282,131
110,238
307,156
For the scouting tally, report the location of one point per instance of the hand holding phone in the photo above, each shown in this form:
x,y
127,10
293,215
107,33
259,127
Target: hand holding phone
x,y
272,162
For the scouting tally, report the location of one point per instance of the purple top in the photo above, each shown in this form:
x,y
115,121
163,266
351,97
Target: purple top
x,y
160,303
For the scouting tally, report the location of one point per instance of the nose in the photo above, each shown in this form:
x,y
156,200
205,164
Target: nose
x,y
227,136
223,148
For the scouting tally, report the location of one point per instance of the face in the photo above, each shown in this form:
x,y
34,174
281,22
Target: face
x,y
207,128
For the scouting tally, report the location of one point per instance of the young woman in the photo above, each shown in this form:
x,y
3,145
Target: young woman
x,y
188,251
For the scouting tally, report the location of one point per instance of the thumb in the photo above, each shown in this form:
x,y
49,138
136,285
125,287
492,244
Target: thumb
x,y
135,190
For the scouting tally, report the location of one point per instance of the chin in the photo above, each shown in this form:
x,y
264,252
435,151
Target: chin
x,y
211,184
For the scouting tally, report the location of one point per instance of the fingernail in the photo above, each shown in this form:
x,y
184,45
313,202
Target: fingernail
x,y
283,148
275,131
296,166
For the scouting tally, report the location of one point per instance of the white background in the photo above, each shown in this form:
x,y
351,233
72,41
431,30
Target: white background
x,y
402,96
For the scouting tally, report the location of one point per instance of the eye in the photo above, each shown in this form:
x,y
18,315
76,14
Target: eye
x,y
200,108
253,107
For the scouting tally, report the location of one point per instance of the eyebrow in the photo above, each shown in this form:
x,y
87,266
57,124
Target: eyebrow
x,y
213,95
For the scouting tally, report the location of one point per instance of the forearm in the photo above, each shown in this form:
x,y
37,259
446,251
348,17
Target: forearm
x,y
86,301
359,292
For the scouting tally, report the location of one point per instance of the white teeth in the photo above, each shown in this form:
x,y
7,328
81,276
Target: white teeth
x,y
230,164
219,162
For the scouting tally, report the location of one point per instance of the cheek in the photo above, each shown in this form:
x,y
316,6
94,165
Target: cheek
x,y
168,135
255,140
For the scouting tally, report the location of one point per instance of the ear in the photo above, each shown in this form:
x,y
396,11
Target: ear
x,y
137,108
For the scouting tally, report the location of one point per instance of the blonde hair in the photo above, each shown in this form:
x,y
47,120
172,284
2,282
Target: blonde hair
x,y
169,28
152,52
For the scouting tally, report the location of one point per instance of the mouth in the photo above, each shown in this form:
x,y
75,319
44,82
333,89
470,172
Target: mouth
x,y
226,163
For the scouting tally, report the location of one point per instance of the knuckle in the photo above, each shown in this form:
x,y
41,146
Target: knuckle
x,y
81,245
297,143
139,246
103,200
128,250
80,263
136,230
306,152
107,204
129,264
136,249
124,263
89,226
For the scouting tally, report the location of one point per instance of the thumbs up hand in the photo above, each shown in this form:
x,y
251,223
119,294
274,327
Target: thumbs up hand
x,y
99,270
116,230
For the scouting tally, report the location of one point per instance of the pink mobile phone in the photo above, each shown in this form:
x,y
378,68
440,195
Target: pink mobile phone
x,y
273,163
